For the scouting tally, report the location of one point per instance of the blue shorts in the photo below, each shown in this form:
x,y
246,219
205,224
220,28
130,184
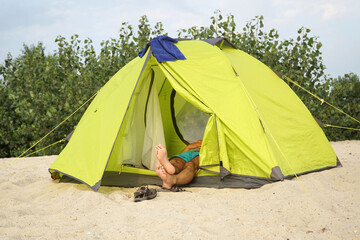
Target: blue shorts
x,y
186,156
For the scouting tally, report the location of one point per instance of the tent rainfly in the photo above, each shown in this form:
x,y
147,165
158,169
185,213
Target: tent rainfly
x,y
255,129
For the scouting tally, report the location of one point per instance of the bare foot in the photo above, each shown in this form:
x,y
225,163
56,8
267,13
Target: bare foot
x,y
168,180
162,156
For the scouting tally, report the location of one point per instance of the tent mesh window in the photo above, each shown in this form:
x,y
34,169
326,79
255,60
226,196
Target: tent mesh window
x,y
189,121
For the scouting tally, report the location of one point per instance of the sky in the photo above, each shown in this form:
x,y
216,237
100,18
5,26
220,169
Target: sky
x,y
336,23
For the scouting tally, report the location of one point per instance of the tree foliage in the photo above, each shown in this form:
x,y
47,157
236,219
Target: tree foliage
x,y
38,90
345,94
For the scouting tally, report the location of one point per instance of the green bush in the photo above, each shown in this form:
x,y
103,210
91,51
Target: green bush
x,y
38,90
345,94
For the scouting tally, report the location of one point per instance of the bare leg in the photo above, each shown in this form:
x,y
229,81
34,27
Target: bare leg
x,y
162,156
178,164
188,172
168,180
184,177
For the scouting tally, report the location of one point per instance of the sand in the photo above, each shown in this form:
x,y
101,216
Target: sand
x,y
32,206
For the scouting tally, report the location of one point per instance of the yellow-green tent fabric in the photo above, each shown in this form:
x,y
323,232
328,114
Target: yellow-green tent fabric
x,y
256,130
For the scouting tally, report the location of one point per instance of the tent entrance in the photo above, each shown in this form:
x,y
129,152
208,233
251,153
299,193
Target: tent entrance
x,y
156,115
169,120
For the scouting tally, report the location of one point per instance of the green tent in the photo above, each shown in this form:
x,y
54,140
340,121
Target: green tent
x,y
255,129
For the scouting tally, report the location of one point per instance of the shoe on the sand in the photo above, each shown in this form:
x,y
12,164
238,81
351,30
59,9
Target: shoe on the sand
x,y
144,193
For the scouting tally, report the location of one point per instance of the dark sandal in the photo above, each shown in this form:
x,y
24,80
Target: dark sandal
x,y
144,193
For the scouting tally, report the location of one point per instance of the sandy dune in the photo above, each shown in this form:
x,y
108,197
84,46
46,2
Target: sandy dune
x,y
32,206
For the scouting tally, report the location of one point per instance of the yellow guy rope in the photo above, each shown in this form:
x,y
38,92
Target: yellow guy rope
x,y
323,101
22,155
60,141
17,158
58,125
349,128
